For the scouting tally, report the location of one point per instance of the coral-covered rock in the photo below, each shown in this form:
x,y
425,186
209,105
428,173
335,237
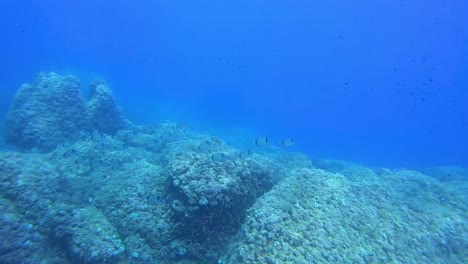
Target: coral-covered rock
x,y
314,216
88,236
32,183
47,113
211,195
28,189
52,111
104,114
20,239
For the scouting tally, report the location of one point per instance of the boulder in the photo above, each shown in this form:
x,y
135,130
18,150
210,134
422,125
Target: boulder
x,y
104,114
47,113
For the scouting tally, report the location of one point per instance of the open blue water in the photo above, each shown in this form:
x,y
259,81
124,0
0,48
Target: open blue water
x,y
382,84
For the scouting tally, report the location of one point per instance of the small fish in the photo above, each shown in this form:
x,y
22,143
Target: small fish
x,y
261,141
219,157
204,145
130,134
155,198
287,142
245,154
70,153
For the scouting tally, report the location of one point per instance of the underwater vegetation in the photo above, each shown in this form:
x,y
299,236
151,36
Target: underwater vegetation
x,y
86,185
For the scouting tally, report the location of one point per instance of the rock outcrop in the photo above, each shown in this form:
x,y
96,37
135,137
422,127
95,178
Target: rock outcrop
x,y
104,114
53,111
47,113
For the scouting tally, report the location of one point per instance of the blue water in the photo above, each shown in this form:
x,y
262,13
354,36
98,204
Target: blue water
x,y
373,93
382,83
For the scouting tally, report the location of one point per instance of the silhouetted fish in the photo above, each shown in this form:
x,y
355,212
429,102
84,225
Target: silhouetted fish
x,y
287,142
130,135
245,154
261,141
155,198
219,157
204,145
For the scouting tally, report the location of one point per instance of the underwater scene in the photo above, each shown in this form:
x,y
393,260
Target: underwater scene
x,y
246,131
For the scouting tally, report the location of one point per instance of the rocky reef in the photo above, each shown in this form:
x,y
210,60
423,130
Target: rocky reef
x,y
209,198
314,216
53,111
104,114
47,113
123,193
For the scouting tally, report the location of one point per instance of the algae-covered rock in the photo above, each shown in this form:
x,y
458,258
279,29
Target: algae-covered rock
x,y
88,236
314,216
32,182
28,190
52,111
47,113
104,114
211,191
20,239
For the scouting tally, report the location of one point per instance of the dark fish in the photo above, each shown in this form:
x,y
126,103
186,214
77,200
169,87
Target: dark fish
x,y
204,145
155,198
70,153
287,142
261,141
245,154
219,157
130,134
